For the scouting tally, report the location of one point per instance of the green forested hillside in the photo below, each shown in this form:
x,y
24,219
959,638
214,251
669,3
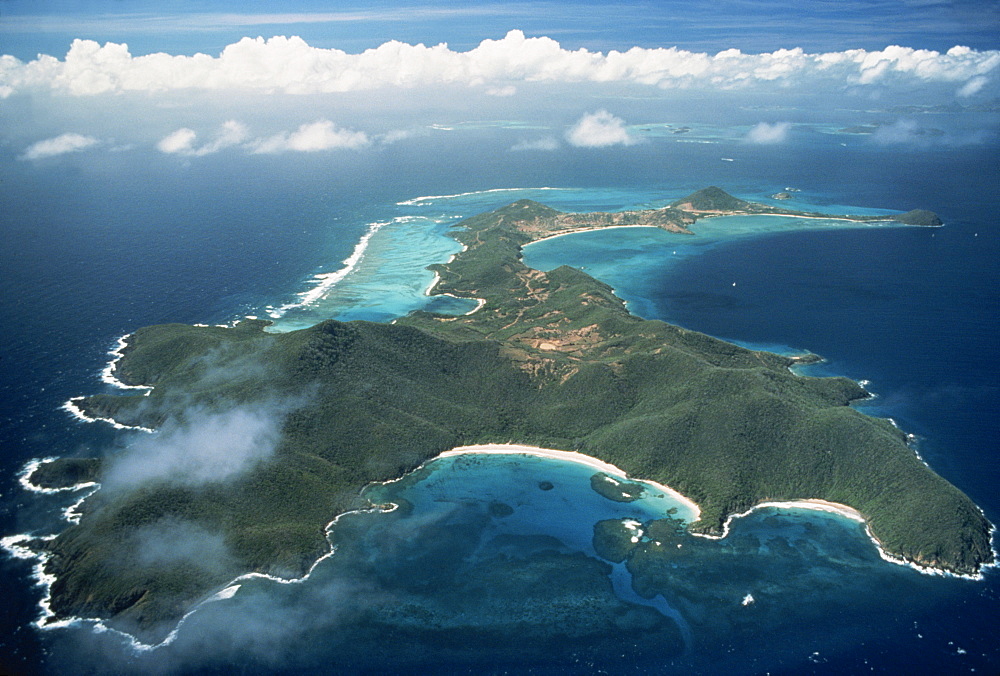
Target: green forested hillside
x,y
551,359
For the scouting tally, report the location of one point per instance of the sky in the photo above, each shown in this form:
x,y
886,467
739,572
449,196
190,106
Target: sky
x,y
118,85
28,27
189,79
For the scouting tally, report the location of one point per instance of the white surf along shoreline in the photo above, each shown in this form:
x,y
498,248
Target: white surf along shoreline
x,y
108,377
424,199
18,545
324,281
480,302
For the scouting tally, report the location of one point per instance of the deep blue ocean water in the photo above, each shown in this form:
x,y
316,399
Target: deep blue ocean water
x,y
88,257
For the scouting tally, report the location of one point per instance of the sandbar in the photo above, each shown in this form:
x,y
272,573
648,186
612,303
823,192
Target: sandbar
x,y
573,231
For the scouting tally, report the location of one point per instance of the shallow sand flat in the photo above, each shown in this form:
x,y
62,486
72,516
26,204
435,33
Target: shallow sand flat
x,y
572,456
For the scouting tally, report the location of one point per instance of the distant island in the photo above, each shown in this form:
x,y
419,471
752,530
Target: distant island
x,y
682,213
552,360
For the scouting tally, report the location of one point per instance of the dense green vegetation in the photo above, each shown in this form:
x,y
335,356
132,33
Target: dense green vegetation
x,y
551,359
713,198
613,489
66,472
919,217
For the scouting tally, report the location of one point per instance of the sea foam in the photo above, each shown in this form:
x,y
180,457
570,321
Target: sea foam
x,y
73,409
427,199
323,282
108,373
108,376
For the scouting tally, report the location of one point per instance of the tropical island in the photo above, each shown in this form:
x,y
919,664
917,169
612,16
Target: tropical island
x,y
549,359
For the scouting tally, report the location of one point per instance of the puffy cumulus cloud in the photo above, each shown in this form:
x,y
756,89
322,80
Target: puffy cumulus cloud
x,y
182,141
310,137
290,65
313,137
178,142
764,133
232,133
597,130
59,145
958,64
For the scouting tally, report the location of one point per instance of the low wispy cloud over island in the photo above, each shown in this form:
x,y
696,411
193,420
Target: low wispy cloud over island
x,y
203,448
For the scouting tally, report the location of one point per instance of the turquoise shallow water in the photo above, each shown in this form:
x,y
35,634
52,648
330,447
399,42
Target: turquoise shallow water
x,y
629,258
471,531
415,590
389,278
386,275
801,568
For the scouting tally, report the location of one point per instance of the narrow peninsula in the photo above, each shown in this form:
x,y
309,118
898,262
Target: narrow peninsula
x,y
553,360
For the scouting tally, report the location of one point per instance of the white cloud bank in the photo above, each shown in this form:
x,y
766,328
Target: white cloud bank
x,y
60,145
292,66
180,142
598,130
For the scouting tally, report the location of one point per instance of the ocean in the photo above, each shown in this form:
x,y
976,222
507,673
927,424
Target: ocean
x,y
503,572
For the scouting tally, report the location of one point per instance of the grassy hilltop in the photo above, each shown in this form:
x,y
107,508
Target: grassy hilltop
x,y
550,359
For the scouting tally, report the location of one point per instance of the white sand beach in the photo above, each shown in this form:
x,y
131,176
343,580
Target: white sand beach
x,y
572,456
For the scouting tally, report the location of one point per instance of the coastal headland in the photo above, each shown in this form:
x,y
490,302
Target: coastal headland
x,y
549,360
